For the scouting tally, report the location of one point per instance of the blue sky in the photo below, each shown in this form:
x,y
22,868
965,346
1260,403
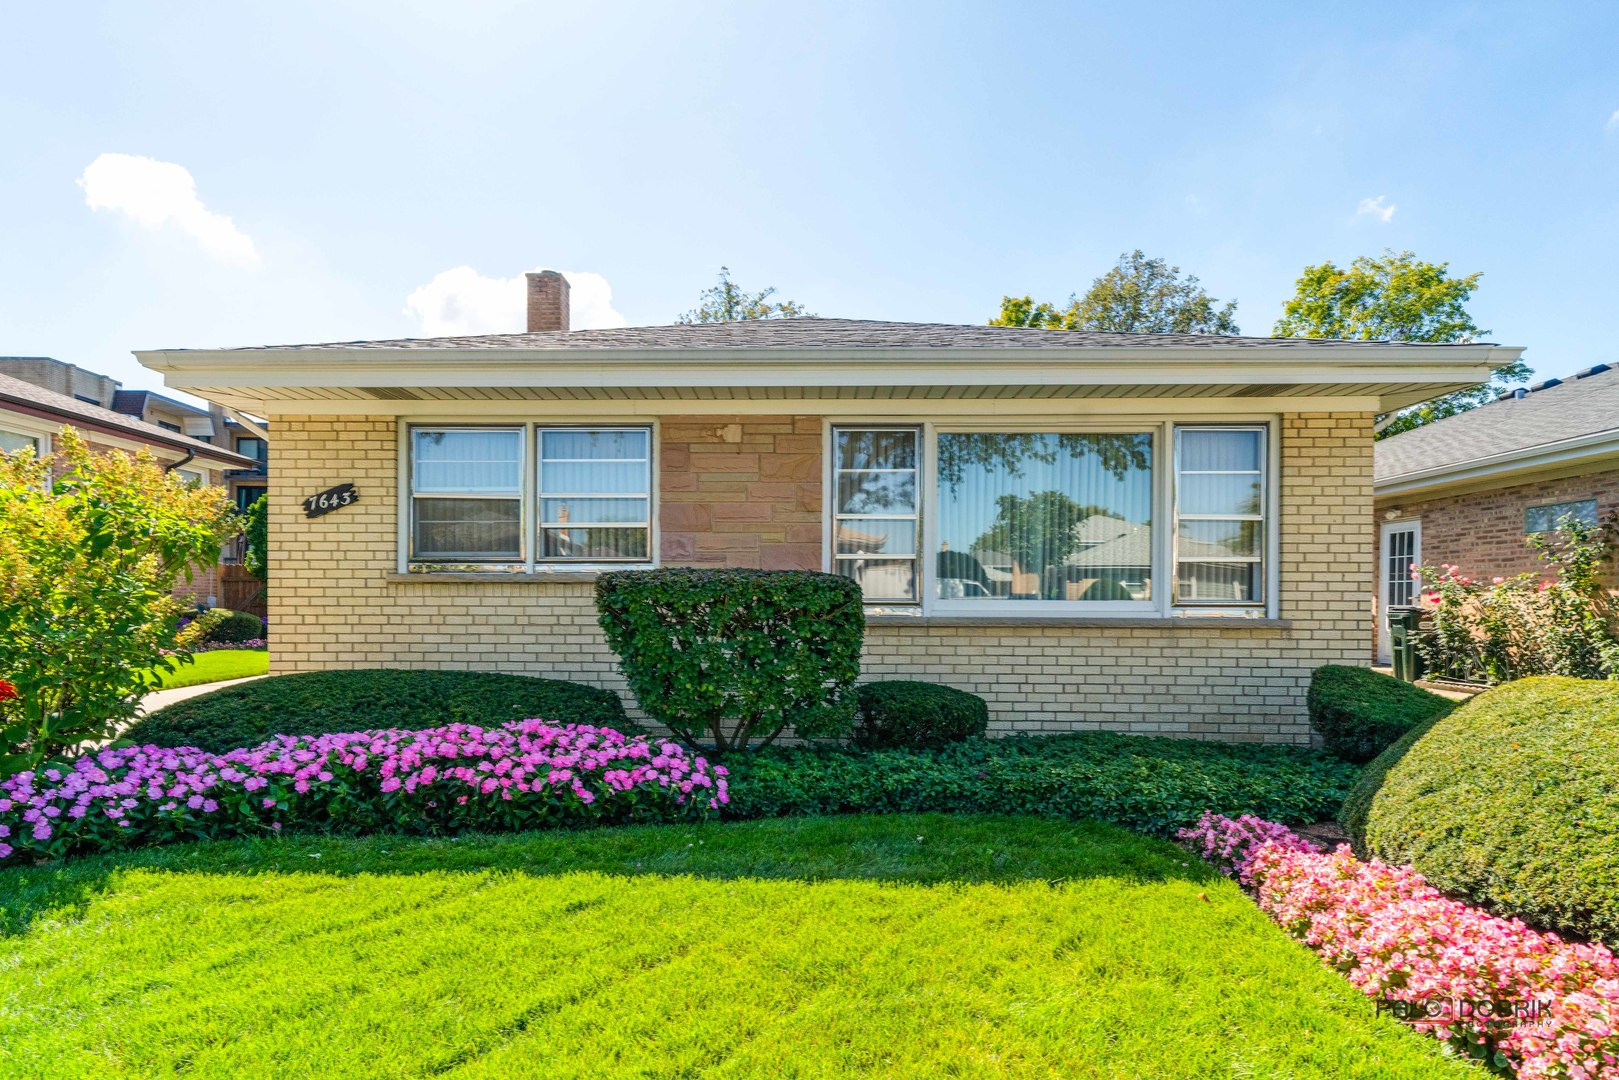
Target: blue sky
x,y
906,161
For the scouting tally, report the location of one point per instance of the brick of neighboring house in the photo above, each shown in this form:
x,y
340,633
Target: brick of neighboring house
x,y
1483,531
740,491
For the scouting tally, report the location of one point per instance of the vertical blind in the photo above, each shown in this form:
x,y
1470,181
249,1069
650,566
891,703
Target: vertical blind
x,y
1220,515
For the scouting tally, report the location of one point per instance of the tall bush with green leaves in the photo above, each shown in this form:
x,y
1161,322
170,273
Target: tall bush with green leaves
x,y
727,656
91,547
1512,628
256,530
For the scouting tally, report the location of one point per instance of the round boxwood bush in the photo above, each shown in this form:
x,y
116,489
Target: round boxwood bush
x,y
919,715
324,702
1512,801
236,627
1359,712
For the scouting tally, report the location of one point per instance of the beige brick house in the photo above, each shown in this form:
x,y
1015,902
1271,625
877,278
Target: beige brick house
x,y
1149,533
1468,490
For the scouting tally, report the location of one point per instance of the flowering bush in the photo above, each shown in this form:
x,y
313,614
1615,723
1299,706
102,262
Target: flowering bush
x,y
1452,967
522,775
222,646
1520,626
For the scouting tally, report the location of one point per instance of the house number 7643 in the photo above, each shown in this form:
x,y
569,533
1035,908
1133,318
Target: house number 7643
x,y
331,499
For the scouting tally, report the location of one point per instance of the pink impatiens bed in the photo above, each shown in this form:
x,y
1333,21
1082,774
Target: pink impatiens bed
x,y
522,775
1493,988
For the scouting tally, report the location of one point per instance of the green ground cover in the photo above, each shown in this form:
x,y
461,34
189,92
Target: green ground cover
x,y
892,945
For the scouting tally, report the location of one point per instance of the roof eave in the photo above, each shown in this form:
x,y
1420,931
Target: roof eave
x,y
1575,453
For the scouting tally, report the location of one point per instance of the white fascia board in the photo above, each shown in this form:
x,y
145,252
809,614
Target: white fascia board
x,y
1565,453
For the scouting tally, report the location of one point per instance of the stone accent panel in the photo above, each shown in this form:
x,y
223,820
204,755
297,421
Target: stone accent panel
x,y
747,491
740,491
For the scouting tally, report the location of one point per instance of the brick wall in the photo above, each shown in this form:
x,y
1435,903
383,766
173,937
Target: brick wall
x,y
336,601
1482,532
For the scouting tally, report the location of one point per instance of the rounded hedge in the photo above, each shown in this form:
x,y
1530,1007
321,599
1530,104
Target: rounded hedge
x,y
1359,712
237,627
1512,801
918,715
325,702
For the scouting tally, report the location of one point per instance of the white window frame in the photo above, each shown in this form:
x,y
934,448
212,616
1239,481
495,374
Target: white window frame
x,y
528,517
540,494
42,439
833,516
524,547
1165,526
1263,517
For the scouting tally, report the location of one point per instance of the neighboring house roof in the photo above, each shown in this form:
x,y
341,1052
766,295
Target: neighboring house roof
x,y
814,357
134,402
819,333
1559,423
17,395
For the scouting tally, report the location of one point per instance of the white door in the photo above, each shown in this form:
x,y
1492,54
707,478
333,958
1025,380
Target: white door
x,y
1401,550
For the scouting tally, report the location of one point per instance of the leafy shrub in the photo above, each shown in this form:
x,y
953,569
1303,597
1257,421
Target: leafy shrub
x,y
1151,784
1515,627
522,775
320,702
728,655
91,547
237,626
1509,801
1401,941
917,714
1358,803
1359,712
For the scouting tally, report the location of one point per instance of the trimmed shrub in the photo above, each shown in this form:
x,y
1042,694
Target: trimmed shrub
x,y
523,775
730,655
1359,712
1358,803
1147,783
321,702
1510,801
237,626
917,715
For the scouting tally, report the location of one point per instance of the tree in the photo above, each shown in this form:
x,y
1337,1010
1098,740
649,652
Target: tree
x,y
256,529
1395,297
726,302
91,547
1138,296
1037,531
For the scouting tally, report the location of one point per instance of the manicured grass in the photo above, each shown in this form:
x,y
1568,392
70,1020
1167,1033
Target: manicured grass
x,y
895,945
210,667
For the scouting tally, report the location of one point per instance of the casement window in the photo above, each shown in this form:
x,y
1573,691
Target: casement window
x,y
1550,518
1043,521
12,441
527,494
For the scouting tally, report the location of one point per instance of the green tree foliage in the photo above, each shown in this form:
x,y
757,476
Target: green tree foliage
x,y
1138,296
727,302
256,527
90,547
1038,530
1395,297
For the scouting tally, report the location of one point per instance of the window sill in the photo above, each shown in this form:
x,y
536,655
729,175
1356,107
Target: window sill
x,y
1120,622
494,577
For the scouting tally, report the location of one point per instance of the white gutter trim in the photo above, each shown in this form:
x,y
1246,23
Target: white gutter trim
x,y
1573,451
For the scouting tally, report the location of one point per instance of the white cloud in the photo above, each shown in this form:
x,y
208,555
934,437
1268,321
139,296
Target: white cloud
x,y
1613,123
158,193
1379,208
463,301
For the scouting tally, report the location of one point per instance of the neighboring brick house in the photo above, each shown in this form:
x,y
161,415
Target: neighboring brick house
x,y
1469,490
1210,495
31,416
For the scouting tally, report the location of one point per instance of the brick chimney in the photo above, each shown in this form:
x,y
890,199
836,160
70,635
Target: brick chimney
x,y
547,301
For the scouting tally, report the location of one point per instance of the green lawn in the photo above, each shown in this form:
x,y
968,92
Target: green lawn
x,y
916,946
212,667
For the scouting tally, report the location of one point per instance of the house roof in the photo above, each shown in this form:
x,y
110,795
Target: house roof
x,y
1570,422
817,358
19,396
814,332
